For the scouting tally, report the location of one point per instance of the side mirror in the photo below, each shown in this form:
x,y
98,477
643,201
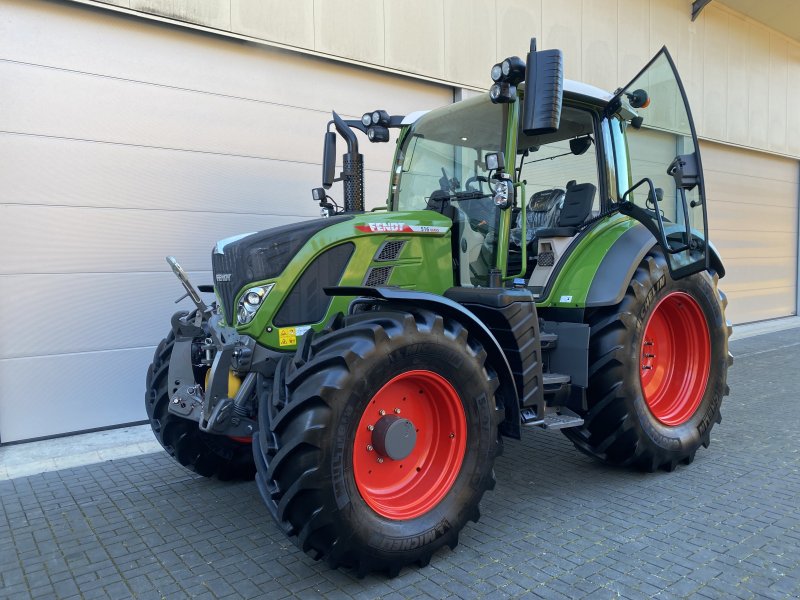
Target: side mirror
x,y
638,99
544,91
580,145
684,171
329,160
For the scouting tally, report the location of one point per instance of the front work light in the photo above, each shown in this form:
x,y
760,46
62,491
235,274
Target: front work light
x,y
503,194
250,302
513,69
380,117
377,133
503,93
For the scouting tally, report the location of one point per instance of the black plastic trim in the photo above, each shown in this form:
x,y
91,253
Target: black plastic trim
x,y
618,265
260,256
306,303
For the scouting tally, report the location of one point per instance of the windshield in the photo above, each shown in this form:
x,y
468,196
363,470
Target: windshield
x,y
445,150
441,166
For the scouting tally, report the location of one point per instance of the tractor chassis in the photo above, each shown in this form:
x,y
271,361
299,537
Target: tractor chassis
x,y
212,408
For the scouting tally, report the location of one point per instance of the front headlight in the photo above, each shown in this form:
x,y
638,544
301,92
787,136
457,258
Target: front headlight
x,y
250,302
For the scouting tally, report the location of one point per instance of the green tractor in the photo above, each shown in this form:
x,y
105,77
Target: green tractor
x,y
366,366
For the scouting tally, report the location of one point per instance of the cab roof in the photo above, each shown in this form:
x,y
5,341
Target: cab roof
x,y
576,89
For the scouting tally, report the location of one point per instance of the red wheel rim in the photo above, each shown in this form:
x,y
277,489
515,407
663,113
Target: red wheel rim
x,y
410,487
675,359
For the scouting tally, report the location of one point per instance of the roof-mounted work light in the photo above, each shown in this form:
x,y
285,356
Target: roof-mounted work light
x,y
380,117
378,134
513,69
506,76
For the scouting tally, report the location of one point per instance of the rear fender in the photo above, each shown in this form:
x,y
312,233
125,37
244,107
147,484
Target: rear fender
x,y
510,427
599,265
616,268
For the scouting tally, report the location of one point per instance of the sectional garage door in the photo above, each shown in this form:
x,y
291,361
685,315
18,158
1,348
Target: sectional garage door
x,y
122,141
752,212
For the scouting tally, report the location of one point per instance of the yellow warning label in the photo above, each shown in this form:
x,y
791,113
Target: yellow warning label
x,y
287,336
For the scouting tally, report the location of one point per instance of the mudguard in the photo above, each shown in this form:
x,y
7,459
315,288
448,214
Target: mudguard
x,y
597,268
510,427
618,265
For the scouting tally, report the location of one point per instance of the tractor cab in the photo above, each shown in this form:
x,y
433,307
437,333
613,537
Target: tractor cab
x,y
634,152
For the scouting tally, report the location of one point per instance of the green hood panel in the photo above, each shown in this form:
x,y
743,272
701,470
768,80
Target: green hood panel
x,y
423,263
574,279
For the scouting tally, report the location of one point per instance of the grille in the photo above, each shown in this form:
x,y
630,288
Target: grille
x,y
390,250
546,259
223,265
377,276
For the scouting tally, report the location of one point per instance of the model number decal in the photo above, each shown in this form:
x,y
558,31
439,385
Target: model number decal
x,y
400,228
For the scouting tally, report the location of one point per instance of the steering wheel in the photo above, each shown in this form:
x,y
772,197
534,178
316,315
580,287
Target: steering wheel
x,y
471,181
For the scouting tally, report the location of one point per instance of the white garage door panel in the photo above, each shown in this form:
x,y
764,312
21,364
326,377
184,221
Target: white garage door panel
x,y
103,311
746,244
729,159
73,392
752,209
770,273
112,110
724,187
759,304
40,170
55,239
68,36
744,216
121,141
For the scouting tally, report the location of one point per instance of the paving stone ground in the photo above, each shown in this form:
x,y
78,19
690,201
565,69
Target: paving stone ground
x,y
558,525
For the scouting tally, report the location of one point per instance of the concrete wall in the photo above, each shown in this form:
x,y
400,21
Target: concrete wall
x,y
740,75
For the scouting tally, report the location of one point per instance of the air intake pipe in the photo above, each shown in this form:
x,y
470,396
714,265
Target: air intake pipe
x,y
353,171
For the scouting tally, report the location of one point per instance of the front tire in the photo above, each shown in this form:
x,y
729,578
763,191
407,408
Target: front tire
x,y
341,490
658,364
205,454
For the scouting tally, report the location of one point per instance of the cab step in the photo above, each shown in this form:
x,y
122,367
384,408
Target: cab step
x,y
561,418
554,380
555,418
547,340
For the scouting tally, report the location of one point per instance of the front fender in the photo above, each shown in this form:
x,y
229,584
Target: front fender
x,y
450,309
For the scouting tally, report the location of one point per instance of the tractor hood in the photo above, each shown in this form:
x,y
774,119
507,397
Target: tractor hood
x,y
241,260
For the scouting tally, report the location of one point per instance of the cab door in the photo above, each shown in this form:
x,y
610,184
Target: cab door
x,y
660,175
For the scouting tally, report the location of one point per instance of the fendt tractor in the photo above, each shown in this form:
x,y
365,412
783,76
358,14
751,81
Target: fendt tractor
x,y
542,260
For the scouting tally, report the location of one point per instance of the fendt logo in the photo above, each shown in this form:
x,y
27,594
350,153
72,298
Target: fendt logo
x,y
400,228
222,277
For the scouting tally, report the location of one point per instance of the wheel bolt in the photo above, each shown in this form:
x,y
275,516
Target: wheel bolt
x,y
381,412
380,460
397,411
369,447
370,427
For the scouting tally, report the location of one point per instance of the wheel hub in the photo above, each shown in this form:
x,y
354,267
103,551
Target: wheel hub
x,y
394,437
409,445
675,359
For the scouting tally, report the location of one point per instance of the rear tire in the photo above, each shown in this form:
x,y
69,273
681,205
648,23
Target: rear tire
x,y
205,454
323,484
658,364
